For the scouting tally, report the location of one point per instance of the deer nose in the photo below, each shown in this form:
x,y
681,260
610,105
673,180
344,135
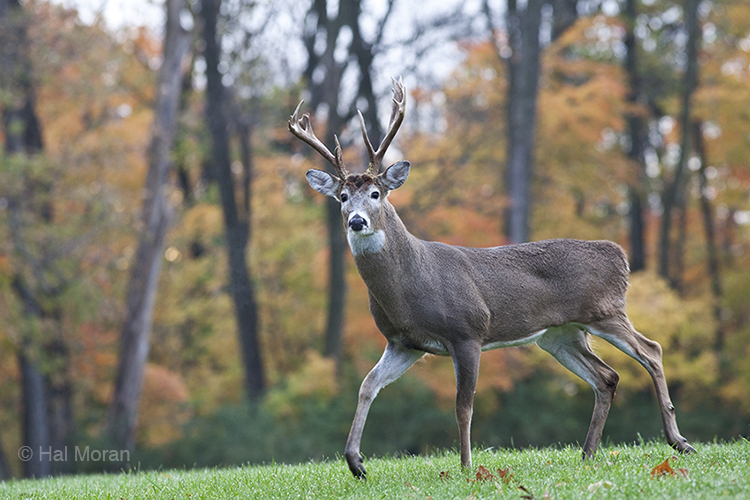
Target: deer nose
x,y
356,223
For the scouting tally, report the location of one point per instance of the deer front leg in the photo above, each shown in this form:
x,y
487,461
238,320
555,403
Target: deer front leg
x,y
395,361
466,365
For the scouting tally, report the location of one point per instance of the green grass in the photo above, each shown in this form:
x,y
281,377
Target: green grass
x,y
716,471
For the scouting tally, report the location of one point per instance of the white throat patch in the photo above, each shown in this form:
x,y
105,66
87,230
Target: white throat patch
x,y
365,243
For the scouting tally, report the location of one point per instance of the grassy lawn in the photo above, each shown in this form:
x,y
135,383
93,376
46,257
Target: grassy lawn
x,y
716,471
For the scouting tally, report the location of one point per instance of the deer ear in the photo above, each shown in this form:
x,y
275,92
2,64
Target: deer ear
x,y
395,175
323,182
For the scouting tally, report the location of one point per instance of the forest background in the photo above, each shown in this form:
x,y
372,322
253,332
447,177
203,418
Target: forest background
x,y
170,285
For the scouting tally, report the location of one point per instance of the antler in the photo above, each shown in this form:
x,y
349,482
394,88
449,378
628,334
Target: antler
x,y
302,129
397,117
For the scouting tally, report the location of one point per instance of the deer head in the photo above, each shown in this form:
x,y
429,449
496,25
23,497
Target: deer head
x,y
361,195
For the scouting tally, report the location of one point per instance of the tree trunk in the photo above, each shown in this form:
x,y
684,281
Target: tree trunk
x,y
244,135
523,30
36,434
363,51
712,253
679,248
5,471
523,73
60,403
181,168
36,426
156,215
22,133
729,233
237,229
674,191
327,91
565,14
336,282
638,131
337,246
20,123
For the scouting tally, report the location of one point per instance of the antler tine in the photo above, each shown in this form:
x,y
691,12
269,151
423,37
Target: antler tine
x,y
302,129
368,144
397,117
341,169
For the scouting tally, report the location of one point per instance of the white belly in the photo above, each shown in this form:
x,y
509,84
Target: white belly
x,y
515,342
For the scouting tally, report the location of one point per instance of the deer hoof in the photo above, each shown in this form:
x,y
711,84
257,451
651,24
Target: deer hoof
x,y
682,446
686,448
355,465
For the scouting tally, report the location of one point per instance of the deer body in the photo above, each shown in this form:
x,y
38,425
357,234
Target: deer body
x,y
429,297
498,296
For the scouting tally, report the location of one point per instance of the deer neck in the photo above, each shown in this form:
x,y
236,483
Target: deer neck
x,y
384,253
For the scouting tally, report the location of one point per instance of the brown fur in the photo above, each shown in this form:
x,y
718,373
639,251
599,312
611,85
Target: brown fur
x,y
358,180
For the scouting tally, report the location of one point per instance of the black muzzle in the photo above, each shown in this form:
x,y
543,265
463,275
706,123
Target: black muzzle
x,y
356,223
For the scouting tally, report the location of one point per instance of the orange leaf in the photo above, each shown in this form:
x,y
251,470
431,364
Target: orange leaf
x,y
484,474
663,469
505,475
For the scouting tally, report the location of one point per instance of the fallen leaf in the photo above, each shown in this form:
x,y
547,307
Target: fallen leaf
x,y
484,474
663,469
505,475
445,475
683,472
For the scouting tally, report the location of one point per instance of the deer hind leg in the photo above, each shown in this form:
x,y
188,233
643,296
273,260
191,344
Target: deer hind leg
x,y
569,345
394,362
466,365
619,332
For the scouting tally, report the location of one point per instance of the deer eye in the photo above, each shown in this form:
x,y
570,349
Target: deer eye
x,y
375,195
344,197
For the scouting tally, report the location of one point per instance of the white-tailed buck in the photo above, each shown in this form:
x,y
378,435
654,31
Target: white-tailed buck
x,y
429,297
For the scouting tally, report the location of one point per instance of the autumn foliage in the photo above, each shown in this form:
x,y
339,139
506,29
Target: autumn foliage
x,y
74,235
